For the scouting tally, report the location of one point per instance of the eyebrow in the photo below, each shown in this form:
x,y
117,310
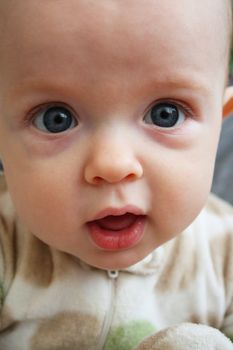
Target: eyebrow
x,y
181,83
174,84
42,85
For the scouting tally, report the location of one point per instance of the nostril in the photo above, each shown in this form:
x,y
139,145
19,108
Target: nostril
x,y
97,180
130,177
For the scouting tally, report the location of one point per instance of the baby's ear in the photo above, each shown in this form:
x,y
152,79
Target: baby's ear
x,y
228,102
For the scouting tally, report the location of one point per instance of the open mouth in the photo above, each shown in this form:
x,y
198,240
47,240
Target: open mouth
x,y
116,232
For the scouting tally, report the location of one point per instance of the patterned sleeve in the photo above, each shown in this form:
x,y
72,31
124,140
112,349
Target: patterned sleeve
x,y
221,249
8,243
227,270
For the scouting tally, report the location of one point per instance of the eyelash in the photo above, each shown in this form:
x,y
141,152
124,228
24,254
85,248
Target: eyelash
x,y
31,114
184,108
188,111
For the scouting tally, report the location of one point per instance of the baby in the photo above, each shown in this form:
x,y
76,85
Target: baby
x,y
110,114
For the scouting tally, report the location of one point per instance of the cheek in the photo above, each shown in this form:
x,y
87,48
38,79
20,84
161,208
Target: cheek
x,y
44,200
180,192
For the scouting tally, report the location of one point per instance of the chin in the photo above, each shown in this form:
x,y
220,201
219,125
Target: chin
x,y
119,262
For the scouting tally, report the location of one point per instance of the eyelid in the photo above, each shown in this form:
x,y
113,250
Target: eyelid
x,y
33,113
188,111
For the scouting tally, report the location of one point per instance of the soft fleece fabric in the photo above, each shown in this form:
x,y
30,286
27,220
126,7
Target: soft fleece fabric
x,y
187,336
50,300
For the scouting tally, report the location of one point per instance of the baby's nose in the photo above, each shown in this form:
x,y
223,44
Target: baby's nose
x,y
112,162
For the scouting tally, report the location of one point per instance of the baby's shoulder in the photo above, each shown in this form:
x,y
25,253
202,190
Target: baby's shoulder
x,y
204,249
218,206
212,237
216,218
212,231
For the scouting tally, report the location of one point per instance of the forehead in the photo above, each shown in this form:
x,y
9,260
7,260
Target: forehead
x,y
97,35
106,18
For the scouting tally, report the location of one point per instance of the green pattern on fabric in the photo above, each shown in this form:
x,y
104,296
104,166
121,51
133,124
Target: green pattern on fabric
x,y
128,336
231,338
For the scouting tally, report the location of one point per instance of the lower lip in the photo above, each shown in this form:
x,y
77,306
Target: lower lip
x,y
118,240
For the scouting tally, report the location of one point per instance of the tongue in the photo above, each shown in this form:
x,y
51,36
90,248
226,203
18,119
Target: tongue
x,y
117,223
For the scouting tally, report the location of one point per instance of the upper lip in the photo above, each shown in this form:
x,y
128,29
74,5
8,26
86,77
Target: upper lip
x,y
111,211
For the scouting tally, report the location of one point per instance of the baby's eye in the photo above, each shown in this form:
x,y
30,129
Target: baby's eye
x,y
165,115
55,119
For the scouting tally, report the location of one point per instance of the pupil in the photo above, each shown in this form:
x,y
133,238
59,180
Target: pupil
x,y
57,119
164,115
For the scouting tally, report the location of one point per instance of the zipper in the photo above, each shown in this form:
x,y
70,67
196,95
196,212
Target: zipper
x,y
112,274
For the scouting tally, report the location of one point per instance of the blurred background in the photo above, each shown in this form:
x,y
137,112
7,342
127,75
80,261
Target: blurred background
x,y
223,176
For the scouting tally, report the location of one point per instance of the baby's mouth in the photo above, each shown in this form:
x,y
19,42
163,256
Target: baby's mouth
x,y
116,232
117,223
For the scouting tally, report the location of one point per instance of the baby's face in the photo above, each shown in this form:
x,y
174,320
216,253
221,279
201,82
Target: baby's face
x,y
110,108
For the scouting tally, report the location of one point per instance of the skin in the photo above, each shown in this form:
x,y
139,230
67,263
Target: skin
x,y
109,67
